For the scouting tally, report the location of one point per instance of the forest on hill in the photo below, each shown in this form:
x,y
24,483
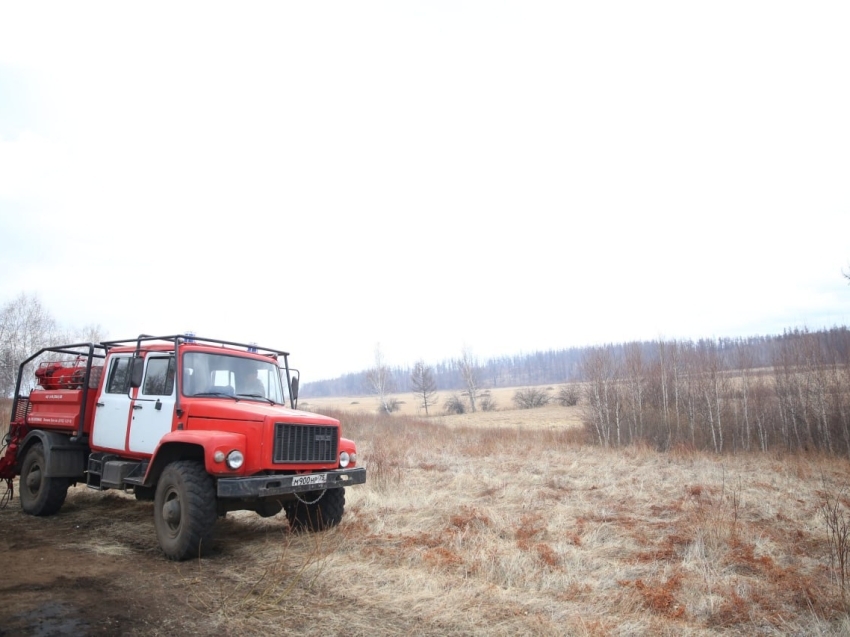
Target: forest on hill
x,y
567,365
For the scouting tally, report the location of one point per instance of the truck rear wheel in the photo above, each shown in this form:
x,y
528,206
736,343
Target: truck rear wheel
x,y
184,510
40,495
316,515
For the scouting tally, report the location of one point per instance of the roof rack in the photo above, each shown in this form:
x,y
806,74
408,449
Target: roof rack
x,y
191,338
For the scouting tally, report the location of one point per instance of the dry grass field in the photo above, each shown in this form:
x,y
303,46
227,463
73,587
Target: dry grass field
x,y
505,413
503,523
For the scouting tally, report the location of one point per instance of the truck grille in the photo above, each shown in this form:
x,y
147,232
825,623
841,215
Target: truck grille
x,y
304,443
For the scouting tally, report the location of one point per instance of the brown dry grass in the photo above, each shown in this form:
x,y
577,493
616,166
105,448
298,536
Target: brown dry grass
x,y
5,415
506,527
503,531
505,414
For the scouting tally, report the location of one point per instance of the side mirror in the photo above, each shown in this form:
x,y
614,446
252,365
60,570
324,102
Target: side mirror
x,y
137,366
294,389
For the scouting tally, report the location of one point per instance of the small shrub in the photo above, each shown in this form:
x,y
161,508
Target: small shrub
x,y
391,405
531,397
568,396
837,519
454,405
486,403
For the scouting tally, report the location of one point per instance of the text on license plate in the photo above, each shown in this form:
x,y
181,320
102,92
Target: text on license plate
x,y
315,478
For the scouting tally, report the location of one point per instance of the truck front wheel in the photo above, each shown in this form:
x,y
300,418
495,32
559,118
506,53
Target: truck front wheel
x,y
309,514
184,510
40,495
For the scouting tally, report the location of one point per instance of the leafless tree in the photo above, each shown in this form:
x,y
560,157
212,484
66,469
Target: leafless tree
x,y
91,333
25,327
603,400
424,386
379,379
468,367
745,365
667,372
636,383
713,389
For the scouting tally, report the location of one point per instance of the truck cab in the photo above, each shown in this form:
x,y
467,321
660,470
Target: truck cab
x,y
201,426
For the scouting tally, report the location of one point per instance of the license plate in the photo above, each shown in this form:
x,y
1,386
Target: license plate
x,y
315,478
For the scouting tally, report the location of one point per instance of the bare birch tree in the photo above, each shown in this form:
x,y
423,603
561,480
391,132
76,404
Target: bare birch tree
x,y
25,327
423,384
636,383
468,367
603,403
379,379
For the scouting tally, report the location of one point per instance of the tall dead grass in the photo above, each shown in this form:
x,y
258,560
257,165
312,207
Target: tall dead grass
x,y
5,415
557,534
266,589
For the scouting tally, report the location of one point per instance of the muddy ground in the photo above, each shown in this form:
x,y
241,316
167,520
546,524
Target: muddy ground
x,y
62,574
95,568
50,586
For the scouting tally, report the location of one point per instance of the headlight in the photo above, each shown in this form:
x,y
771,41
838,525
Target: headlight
x,y
235,459
343,459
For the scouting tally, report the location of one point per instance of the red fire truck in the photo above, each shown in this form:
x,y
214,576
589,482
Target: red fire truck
x,y
198,425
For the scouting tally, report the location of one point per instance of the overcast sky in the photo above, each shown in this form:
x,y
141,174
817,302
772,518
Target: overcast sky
x,y
503,176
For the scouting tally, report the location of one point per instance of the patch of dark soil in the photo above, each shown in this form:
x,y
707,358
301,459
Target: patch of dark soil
x,y
56,582
46,620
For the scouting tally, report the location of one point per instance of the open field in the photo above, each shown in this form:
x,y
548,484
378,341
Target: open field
x,y
512,526
505,413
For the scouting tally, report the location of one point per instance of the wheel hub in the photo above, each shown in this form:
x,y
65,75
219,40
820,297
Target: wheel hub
x,y
34,479
171,512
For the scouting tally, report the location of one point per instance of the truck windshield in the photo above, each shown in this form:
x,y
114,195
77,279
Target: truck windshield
x,y
226,375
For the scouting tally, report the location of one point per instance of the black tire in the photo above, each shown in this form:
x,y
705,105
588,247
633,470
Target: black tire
x,y
319,515
40,495
184,510
268,508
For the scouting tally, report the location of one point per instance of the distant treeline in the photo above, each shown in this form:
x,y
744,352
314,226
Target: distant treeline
x,y
788,391
554,366
565,365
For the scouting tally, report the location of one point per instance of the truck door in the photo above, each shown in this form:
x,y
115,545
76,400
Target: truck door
x,y
112,412
153,409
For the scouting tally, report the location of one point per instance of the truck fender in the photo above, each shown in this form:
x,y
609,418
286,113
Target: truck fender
x,y
62,458
195,445
347,445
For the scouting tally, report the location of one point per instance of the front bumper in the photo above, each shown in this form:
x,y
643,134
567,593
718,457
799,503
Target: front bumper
x,y
266,486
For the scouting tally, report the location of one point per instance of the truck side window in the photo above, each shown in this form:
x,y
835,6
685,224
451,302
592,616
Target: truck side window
x,y
159,377
119,377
